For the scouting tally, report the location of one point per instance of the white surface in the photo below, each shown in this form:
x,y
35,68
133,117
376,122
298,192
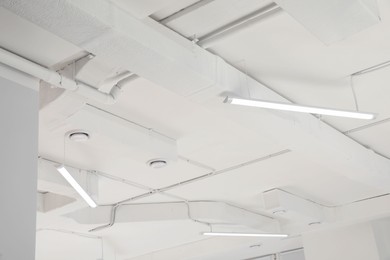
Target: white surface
x,y
18,179
43,47
354,242
321,164
64,246
64,172
332,20
294,255
381,230
142,9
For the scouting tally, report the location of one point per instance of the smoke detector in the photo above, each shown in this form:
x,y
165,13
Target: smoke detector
x,y
79,136
157,163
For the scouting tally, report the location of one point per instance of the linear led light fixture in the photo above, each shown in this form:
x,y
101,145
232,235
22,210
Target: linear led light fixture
x,y
64,172
232,234
298,108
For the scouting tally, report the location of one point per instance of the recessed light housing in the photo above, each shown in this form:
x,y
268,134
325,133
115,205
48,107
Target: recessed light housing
x,y
298,108
64,172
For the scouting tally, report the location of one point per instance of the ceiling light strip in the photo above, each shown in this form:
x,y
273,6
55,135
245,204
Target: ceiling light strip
x,y
232,234
298,108
64,172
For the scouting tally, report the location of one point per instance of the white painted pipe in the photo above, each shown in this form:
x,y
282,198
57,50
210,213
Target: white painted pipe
x,y
238,25
56,79
34,69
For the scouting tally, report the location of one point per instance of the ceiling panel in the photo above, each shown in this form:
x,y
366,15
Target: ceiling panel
x,y
122,191
65,246
282,54
43,47
281,47
259,250
202,132
289,171
372,90
137,239
141,173
375,137
213,15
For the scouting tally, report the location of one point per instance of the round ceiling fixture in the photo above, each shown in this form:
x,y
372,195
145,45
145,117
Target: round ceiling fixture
x,y
157,163
279,212
79,136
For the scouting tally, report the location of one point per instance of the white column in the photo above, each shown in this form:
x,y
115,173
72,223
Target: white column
x,y
18,155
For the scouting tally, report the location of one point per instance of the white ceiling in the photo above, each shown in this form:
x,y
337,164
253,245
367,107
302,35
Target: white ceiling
x,y
278,52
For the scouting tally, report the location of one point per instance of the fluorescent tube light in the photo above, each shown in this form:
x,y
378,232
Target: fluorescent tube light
x,y
298,108
231,234
64,172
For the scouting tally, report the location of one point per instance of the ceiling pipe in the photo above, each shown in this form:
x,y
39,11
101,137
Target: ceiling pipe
x,y
163,190
232,214
225,31
56,79
186,10
372,68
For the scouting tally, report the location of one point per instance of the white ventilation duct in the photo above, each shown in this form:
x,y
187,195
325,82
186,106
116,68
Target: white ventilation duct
x,y
218,214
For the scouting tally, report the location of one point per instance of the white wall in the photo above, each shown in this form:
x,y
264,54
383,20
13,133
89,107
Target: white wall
x,y
293,255
381,230
18,174
355,242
